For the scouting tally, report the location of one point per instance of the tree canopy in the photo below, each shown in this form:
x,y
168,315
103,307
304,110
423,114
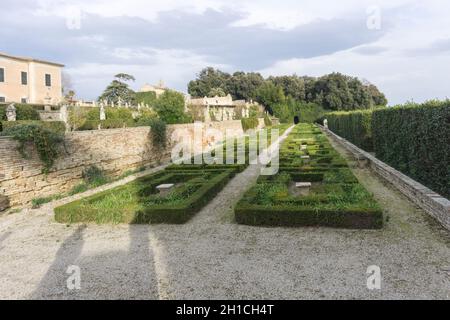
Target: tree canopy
x,y
334,91
118,90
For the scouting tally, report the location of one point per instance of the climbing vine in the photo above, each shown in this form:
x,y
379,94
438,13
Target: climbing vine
x,y
45,141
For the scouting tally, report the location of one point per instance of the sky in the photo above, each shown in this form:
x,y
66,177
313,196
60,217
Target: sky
x,y
402,46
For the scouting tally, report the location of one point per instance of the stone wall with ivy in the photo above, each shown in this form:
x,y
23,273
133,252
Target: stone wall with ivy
x,y
115,151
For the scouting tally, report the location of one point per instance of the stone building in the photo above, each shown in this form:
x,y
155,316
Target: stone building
x,y
158,89
28,80
221,108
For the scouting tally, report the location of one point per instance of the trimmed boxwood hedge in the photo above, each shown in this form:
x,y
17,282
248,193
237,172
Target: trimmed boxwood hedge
x,y
294,217
415,140
55,126
412,138
355,126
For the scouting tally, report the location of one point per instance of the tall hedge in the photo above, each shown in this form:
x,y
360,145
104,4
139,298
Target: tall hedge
x,y
415,139
354,126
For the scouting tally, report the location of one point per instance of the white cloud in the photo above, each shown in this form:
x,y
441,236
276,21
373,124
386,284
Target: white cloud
x,y
148,65
406,62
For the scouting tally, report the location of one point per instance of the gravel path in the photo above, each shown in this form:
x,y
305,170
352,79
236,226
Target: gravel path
x,y
211,257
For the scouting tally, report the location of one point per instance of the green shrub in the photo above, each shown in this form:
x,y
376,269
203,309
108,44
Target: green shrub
x,y
159,132
45,141
355,126
94,176
23,112
148,98
249,123
56,126
415,139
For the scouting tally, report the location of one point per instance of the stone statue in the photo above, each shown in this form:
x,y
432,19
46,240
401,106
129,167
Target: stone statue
x,y
102,112
11,112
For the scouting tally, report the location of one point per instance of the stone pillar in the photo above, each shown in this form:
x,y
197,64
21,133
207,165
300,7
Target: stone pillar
x,y
11,112
325,123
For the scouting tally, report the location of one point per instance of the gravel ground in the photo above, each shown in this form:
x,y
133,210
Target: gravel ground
x,y
211,257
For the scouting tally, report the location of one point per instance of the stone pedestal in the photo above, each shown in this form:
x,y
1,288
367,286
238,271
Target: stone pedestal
x,y
300,189
164,189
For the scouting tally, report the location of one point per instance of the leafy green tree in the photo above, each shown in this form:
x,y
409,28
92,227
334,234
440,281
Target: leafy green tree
x,y
217,92
118,90
378,98
293,86
170,107
208,79
148,98
243,86
270,95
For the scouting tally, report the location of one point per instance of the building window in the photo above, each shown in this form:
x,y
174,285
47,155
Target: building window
x,y
2,75
24,77
48,80
2,99
24,100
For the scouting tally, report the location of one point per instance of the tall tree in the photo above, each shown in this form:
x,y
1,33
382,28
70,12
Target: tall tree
x,y
243,86
270,95
293,86
208,79
118,90
170,107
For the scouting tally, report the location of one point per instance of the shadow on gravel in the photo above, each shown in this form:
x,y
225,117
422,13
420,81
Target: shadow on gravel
x,y
115,274
3,237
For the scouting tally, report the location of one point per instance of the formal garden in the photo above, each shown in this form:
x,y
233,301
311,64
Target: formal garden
x,y
314,187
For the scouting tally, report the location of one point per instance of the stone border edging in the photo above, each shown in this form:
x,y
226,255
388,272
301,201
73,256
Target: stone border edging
x,y
434,204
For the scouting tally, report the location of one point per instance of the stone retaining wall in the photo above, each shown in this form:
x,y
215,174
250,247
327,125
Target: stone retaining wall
x,y
115,151
434,204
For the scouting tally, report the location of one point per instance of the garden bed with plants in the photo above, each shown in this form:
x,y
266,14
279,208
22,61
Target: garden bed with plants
x,y
141,202
314,187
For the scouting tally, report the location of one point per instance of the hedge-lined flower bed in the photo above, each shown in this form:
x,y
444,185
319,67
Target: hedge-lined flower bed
x,y
140,201
336,199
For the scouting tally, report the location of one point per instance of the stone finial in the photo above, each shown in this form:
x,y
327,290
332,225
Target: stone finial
x,y
11,112
102,112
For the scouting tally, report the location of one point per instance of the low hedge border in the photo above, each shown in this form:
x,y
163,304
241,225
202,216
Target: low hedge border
x,y
295,217
56,126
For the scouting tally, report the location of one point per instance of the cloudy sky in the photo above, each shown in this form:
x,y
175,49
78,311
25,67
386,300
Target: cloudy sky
x,y
402,46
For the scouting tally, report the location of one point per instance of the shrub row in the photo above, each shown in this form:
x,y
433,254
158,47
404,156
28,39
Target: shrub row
x,y
23,112
55,126
412,138
416,141
354,126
